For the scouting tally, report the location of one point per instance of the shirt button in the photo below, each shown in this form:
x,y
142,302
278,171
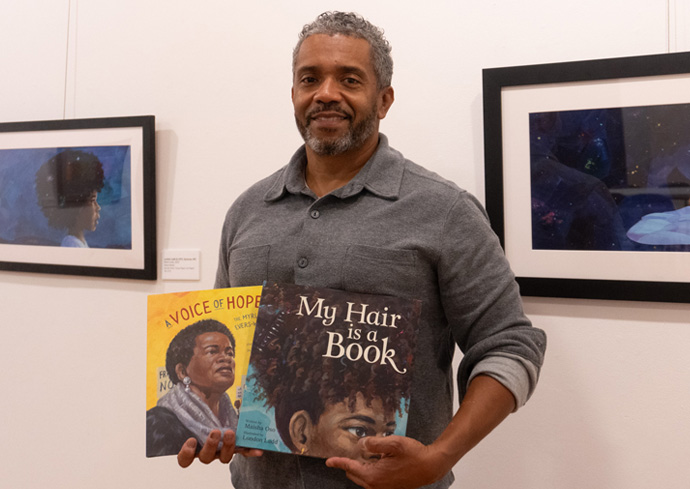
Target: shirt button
x,y
315,214
302,262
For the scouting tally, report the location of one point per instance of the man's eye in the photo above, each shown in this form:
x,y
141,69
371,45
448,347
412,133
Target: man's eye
x,y
351,81
308,80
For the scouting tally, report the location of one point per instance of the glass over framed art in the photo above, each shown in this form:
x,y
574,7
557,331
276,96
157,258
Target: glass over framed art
x,y
78,197
588,176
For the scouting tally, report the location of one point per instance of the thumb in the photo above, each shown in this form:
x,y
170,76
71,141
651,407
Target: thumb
x,y
186,455
387,446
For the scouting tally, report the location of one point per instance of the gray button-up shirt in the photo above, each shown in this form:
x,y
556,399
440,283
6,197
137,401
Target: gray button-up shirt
x,y
396,229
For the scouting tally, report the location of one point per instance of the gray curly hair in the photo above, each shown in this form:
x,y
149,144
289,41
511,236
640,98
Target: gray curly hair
x,y
353,25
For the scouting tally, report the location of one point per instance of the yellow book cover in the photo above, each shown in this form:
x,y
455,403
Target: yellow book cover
x,y
197,353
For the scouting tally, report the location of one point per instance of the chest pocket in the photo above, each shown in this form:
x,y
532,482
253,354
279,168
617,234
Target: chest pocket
x,y
375,270
248,266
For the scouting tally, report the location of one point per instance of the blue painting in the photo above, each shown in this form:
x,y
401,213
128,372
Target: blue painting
x,y
611,179
76,197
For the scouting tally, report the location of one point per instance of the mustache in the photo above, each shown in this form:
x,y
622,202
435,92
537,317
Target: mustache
x,y
328,107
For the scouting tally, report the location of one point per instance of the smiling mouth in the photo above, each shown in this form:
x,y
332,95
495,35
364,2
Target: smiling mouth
x,y
328,122
328,119
328,115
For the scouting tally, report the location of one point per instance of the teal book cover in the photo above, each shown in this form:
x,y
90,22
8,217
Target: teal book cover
x,y
327,368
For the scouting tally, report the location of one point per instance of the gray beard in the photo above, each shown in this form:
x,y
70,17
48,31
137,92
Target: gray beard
x,y
355,137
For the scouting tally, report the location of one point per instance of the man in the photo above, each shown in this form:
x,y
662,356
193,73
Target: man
x,y
350,212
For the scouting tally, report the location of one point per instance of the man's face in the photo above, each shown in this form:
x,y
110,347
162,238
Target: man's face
x,y
339,429
335,94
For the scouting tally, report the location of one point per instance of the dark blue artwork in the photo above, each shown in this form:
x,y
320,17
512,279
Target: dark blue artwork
x,y
23,221
611,179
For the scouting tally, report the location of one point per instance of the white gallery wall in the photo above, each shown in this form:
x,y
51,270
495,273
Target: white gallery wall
x,y
613,406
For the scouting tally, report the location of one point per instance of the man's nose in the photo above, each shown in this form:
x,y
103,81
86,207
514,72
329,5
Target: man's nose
x,y
328,91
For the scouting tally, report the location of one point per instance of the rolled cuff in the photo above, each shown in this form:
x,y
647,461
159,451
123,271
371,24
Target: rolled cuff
x,y
515,373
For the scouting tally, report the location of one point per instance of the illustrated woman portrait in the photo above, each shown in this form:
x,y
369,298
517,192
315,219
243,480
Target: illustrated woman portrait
x,y
324,406
67,188
200,362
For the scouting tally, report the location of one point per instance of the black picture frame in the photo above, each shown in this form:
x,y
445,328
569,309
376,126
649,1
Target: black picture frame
x,y
121,235
515,101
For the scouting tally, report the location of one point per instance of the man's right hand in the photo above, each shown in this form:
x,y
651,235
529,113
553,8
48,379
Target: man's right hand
x,y
209,452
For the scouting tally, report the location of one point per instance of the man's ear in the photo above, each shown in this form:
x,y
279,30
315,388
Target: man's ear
x,y
300,430
386,98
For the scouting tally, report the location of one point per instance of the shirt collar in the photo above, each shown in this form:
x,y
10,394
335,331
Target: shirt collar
x,y
381,175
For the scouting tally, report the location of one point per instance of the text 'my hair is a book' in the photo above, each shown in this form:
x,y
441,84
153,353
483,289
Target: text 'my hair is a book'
x,y
327,367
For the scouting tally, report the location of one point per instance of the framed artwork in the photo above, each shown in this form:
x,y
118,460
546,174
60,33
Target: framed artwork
x,y
78,197
588,176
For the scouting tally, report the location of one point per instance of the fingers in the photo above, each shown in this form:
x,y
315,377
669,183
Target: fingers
x,y
249,452
228,448
339,463
186,455
207,454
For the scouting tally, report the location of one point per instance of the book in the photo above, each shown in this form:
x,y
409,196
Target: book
x,y
327,368
198,346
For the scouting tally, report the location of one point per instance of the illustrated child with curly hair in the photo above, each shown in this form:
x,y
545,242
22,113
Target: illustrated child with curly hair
x,y
323,403
67,187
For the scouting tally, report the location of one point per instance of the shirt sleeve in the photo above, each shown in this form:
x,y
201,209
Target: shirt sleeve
x,y
483,305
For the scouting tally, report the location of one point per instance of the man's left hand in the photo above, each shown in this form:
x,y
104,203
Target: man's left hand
x,y
405,463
